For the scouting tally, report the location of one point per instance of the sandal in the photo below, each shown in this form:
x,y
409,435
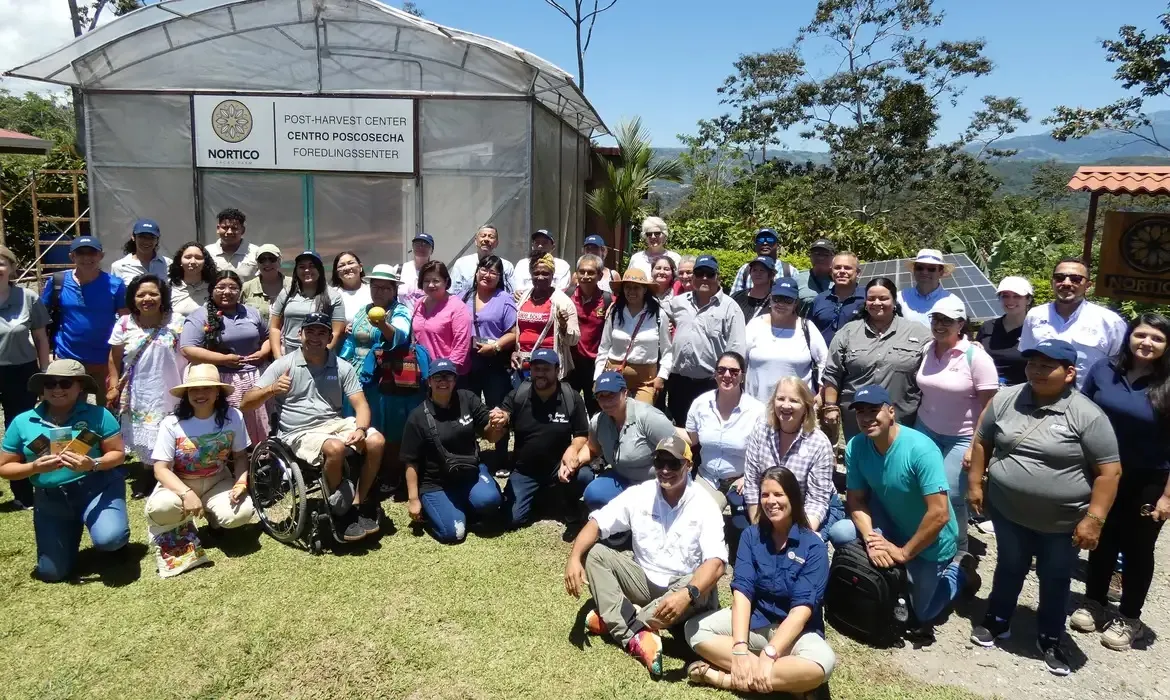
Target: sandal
x,y
697,673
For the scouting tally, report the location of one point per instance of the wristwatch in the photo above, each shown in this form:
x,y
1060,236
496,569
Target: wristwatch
x,y
770,652
694,593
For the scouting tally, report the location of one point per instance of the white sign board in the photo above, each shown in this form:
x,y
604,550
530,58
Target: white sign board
x,y
304,133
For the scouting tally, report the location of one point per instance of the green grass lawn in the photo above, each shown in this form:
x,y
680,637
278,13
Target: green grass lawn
x,y
403,617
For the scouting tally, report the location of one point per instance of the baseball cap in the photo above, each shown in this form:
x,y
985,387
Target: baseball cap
x,y
268,249
786,287
609,382
766,233
872,395
595,240
308,254
440,366
545,355
764,260
147,226
542,232
823,244
674,446
1015,285
85,242
425,238
709,262
1054,349
950,306
318,319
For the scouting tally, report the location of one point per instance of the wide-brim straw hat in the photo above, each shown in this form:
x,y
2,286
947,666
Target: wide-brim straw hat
x,y
930,256
62,369
634,276
201,376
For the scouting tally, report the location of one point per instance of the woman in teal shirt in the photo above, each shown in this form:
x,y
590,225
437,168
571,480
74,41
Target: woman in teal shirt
x,y
74,486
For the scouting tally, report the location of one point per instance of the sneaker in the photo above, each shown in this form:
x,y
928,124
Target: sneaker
x,y
646,647
1087,618
992,628
595,625
1121,633
370,523
1115,587
1054,657
355,530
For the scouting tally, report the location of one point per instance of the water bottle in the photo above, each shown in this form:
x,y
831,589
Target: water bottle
x,y
901,612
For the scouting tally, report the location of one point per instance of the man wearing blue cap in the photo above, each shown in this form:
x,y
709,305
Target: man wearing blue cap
x,y
899,507
551,427
83,305
542,243
231,251
595,245
141,254
707,323
767,244
463,269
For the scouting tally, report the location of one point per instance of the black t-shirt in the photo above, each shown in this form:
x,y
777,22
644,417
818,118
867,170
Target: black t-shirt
x,y
544,430
1004,348
458,424
751,306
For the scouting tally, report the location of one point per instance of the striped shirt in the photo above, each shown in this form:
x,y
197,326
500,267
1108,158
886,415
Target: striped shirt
x,y
810,459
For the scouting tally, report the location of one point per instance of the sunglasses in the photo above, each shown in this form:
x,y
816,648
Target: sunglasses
x,y
62,383
765,241
729,371
704,273
783,301
265,259
670,465
1060,277
927,268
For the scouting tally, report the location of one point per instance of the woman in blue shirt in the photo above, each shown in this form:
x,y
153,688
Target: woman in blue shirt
x,y
772,638
1134,392
71,450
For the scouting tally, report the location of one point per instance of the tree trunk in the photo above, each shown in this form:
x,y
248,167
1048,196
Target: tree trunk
x,y
78,102
580,53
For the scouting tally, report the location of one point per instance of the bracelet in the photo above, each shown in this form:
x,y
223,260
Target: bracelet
x,y
1092,516
737,644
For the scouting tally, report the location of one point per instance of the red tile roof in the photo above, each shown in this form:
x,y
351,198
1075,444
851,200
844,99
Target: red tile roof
x,y
1122,179
14,142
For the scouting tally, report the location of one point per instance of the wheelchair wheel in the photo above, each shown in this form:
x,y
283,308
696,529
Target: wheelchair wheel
x,y
277,488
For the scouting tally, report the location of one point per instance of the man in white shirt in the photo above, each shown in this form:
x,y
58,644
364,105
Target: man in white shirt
x,y
654,234
679,555
929,270
230,252
463,270
1095,331
542,242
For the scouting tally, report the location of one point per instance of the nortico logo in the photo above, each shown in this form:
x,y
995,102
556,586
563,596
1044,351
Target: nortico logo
x,y
232,154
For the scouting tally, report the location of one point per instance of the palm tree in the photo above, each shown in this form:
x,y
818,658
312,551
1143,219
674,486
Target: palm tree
x,y
622,198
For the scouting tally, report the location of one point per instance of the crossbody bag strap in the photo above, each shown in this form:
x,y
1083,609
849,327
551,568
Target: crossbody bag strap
x,y
637,327
816,370
128,370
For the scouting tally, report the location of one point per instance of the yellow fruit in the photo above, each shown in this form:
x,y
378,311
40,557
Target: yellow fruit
x,y
377,314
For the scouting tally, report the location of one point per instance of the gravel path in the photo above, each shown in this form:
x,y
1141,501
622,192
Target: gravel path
x,y
1014,670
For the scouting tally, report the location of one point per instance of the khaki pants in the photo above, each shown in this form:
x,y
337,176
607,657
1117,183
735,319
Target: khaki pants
x,y
307,444
618,584
641,386
809,645
164,508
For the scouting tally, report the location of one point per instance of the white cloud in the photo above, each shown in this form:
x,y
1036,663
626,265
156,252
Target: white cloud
x,y
28,30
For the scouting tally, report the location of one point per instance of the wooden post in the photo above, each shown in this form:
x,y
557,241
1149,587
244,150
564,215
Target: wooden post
x,y
1090,229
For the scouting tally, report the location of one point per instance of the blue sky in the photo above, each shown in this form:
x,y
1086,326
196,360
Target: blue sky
x,y
663,59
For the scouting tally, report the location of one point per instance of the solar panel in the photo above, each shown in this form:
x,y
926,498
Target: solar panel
x,y
967,281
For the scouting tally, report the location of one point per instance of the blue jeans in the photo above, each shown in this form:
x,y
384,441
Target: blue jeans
x,y
447,510
934,585
953,448
96,501
521,490
602,489
1056,557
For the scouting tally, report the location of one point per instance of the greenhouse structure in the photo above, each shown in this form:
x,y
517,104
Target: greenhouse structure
x,y
333,124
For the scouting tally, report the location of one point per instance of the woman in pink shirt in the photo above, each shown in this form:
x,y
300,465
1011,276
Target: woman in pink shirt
x,y
957,379
441,323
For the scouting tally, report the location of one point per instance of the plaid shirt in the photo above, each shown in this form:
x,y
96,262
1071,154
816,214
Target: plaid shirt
x,y
810,459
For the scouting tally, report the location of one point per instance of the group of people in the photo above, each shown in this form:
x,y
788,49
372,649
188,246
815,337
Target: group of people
x,y
655,398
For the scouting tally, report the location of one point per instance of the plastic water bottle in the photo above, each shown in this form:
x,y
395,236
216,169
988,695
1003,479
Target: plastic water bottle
x,y
901,612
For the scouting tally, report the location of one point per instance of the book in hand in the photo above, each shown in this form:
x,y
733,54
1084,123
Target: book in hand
x,y
62,440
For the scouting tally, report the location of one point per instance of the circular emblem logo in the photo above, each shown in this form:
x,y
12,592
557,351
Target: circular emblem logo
x,y
1146,245
231,121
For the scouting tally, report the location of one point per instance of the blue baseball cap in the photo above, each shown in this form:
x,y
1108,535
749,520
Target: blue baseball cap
x,y
872,395
1059,350
595,240
308,254
85,242
611,382
709,262
442,365
766,233
545,355
767,262
147,226
542,232
786,287
425,238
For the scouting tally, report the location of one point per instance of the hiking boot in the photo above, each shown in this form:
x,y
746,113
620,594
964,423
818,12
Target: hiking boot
x,y
1121,633
991,629
1087,618
1054,657
595,625
646,647
1115,582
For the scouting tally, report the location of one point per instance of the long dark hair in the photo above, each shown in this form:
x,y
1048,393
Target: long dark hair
x,y
130,248
863,313
175,271
164,291
791,487
322,293
184,409
739,360
650,300
1159,391
335,280
492,262
213,335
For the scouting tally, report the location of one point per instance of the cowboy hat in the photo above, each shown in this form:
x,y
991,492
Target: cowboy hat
x,y
633,276
62,369
200,376
930,256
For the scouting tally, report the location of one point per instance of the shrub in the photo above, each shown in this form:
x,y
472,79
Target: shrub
x,y
731,260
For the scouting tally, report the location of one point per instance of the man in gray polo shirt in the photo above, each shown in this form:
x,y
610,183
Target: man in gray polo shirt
x,y
308,385
707,323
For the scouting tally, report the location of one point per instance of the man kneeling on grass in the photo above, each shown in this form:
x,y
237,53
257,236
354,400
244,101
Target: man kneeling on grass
x,y
679,555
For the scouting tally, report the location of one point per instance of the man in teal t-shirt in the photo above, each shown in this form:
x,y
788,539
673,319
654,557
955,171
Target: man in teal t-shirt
x,y
898,506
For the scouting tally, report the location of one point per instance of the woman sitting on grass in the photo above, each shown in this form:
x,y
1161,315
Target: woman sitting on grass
x,y
771,639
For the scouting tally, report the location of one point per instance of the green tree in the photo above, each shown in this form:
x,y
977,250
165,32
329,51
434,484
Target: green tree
x,y
412,8
761,92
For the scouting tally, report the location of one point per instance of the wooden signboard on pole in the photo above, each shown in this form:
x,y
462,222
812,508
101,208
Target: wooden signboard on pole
x,y
1135,257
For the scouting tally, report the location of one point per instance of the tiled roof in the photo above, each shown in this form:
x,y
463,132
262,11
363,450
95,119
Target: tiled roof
x,y
14,142
1122,179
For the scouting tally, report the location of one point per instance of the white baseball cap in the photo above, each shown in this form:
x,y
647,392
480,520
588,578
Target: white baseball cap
x,y
1015,285
950,306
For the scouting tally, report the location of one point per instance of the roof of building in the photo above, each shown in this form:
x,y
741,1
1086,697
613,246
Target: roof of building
x,y
1122,179
16,143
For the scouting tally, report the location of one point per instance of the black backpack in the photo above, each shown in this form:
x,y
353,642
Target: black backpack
x,y
58,282
861,599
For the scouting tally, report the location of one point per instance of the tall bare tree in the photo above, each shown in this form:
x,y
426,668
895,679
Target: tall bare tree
x,y
583,19
84,18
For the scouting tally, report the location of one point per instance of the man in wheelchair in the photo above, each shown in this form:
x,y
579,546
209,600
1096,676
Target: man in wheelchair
x,y
308,386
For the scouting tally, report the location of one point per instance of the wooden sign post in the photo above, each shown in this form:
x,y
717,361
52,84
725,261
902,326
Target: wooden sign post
x,y
1135,257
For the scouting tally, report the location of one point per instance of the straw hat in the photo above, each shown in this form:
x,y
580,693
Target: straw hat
x,y
199,376
930,256
66,369
633,276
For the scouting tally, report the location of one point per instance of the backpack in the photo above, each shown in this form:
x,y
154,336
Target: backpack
x,y
55,310
862,601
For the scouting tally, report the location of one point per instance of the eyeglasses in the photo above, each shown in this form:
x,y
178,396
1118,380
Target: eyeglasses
x,y
1060,277
704,273
729,371
488,272
62,383
667,464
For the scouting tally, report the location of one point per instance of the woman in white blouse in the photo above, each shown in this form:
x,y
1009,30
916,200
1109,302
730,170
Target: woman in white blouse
x,y
191,274
347,280
635,340
781,344
720,422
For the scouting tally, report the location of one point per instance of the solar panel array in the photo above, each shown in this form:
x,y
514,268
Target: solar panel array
x,y
967,281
